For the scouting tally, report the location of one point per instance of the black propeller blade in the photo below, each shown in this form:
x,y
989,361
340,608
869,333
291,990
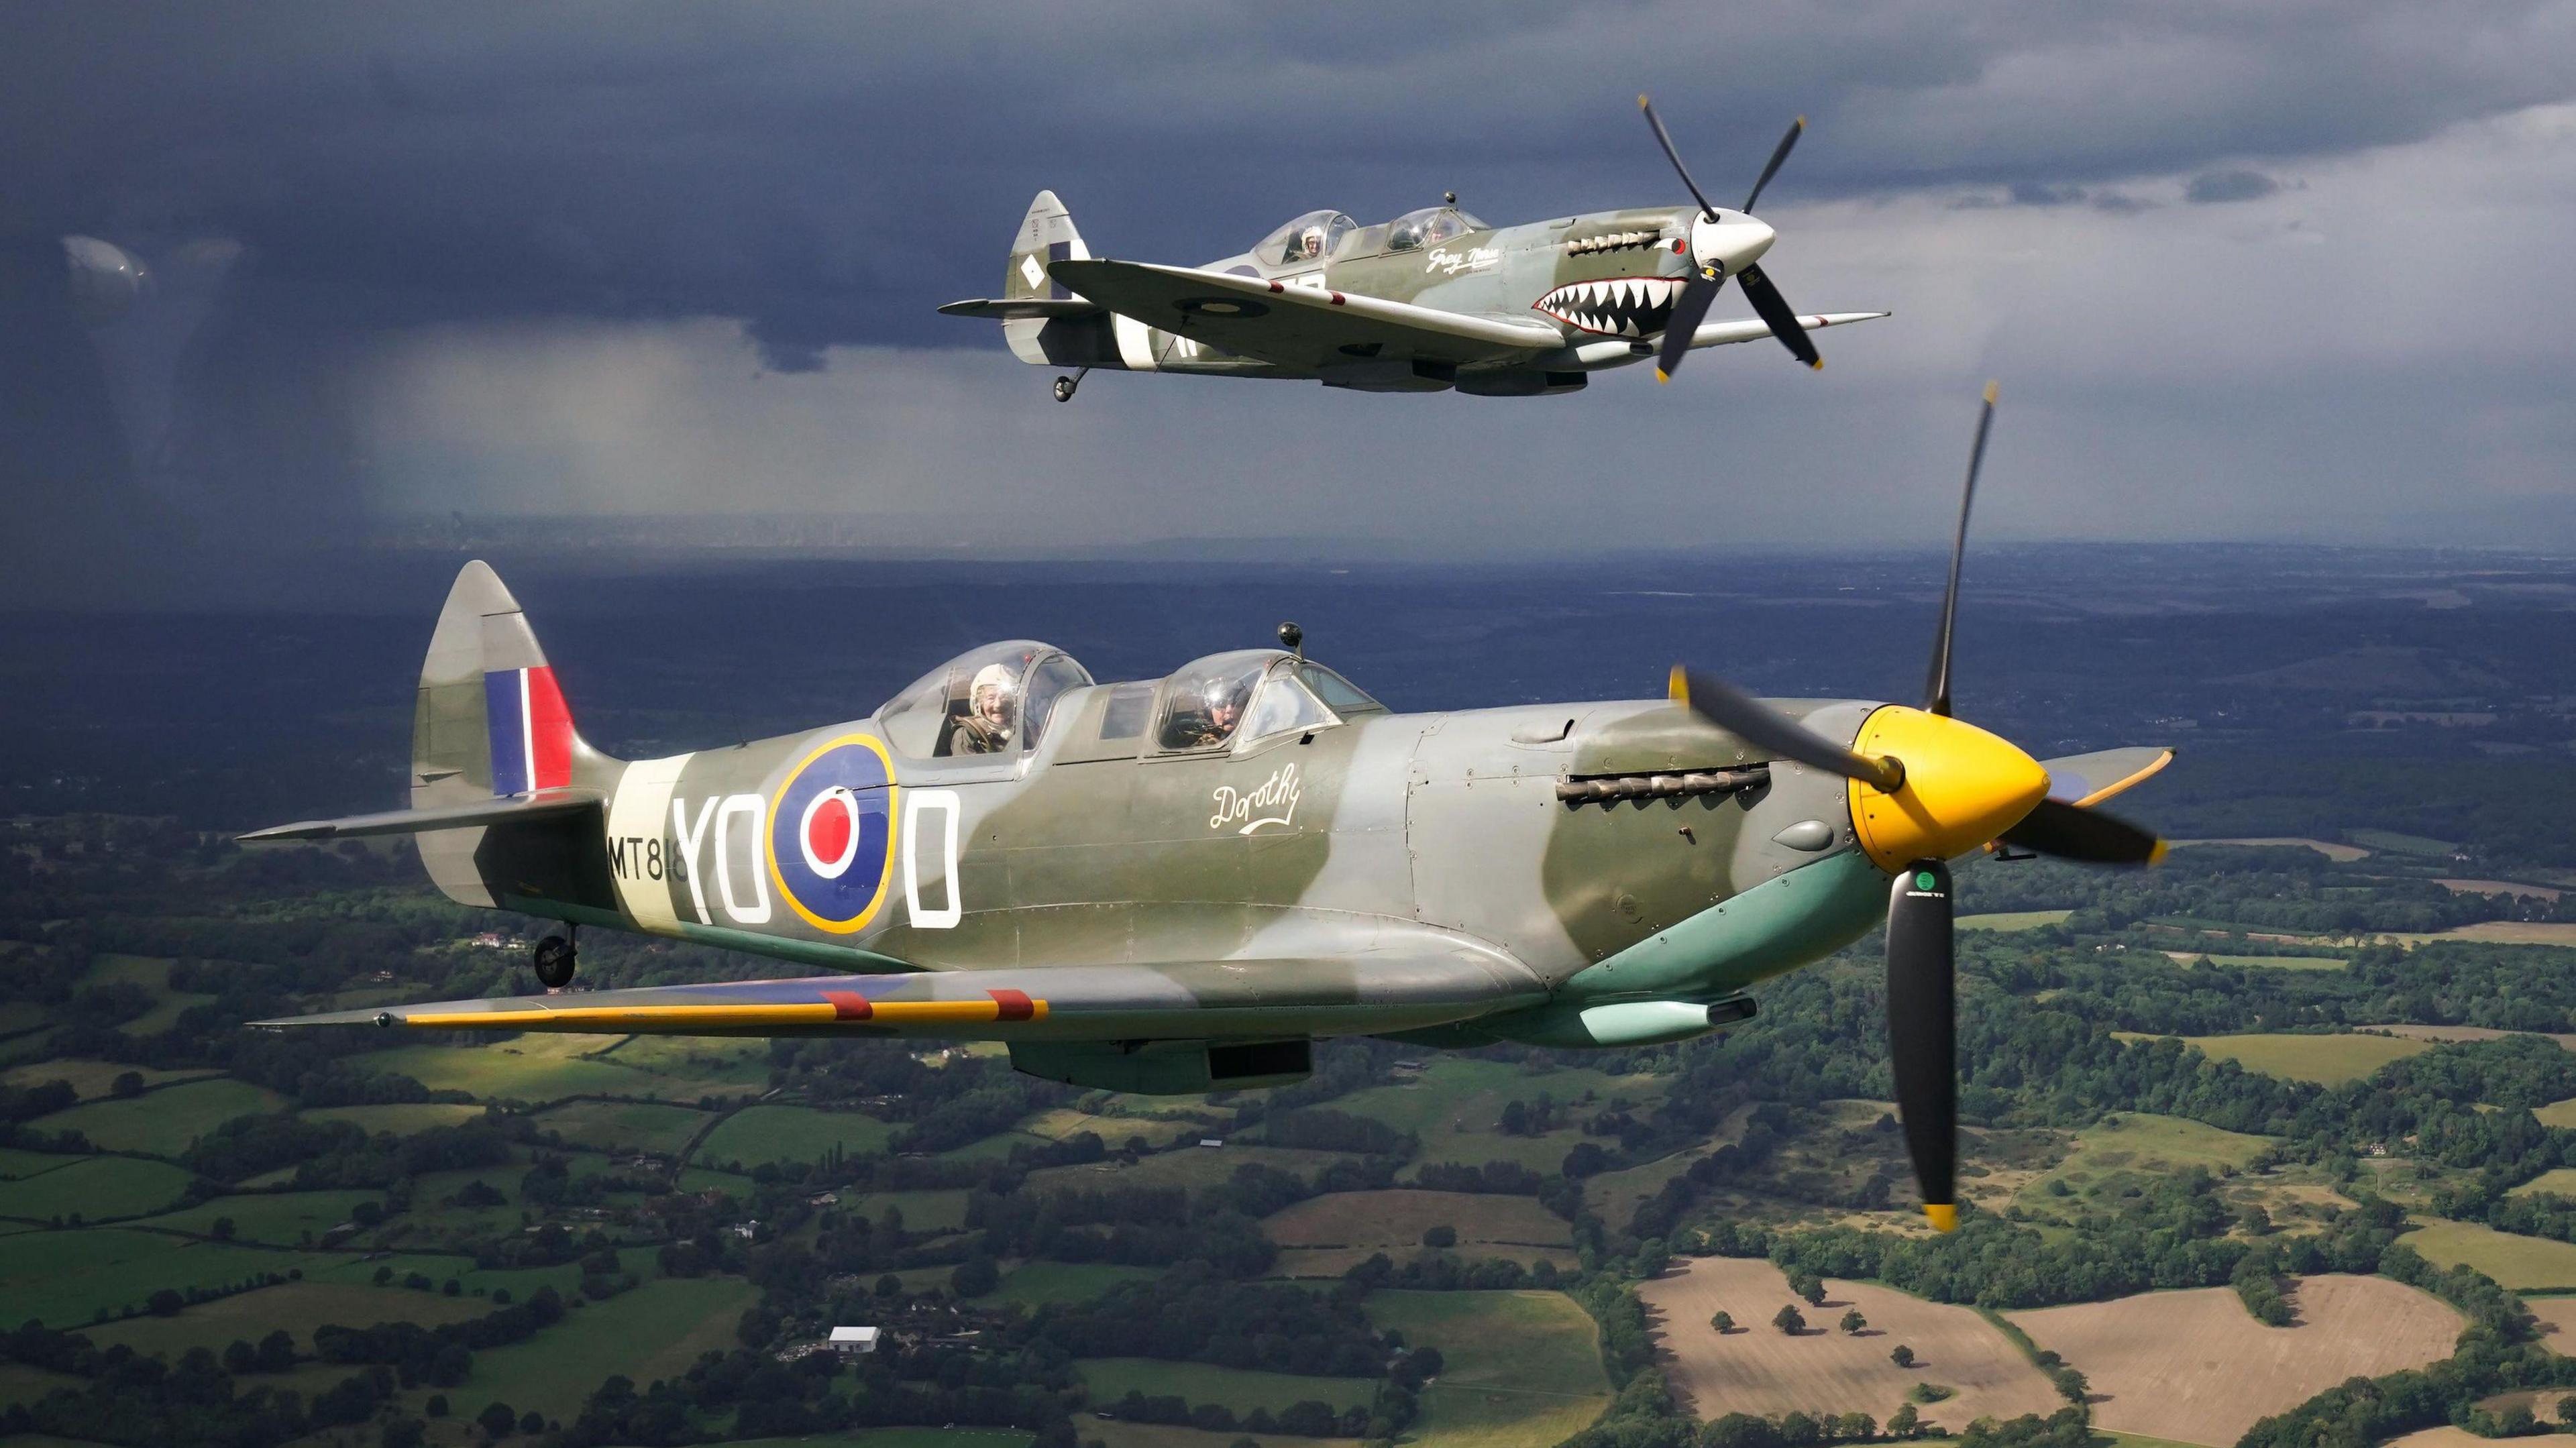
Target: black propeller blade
x,y
1666,141
1779,154
1754,722
1774,311
1701,290
1922,1032
1936,693
1688,313
2073,832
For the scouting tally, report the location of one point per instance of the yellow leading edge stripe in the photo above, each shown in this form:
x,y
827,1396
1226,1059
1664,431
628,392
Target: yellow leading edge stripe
x,y
890,1013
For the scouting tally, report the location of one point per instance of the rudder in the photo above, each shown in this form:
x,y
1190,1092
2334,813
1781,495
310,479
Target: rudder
x,y
489,722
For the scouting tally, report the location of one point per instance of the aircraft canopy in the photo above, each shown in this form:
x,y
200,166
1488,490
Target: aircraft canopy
x,y
1254,694
1305,241
1430,224
990,700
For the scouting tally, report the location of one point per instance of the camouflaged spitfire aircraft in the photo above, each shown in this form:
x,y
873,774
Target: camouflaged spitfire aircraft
x,y
1179,884
1432,300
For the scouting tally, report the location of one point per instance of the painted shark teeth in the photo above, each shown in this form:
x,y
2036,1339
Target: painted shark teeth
x,y
1614,306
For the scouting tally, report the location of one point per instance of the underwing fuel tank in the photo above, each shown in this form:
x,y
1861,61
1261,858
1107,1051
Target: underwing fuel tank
x,y
1620,1023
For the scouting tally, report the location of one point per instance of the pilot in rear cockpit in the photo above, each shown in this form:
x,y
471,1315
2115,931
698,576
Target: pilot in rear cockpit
x,y
1204,714
985,727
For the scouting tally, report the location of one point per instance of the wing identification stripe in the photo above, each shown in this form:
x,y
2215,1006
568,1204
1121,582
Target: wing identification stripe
x,y
2108,790
1005,1005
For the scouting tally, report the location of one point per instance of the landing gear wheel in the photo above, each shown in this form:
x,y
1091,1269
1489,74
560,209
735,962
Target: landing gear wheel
x,y
555,962
1064,389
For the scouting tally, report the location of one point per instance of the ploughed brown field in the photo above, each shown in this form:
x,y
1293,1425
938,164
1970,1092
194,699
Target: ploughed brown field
x,y
2557,1317
1756,1369
2196,1367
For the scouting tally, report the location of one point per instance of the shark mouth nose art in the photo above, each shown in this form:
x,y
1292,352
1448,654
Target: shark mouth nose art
x,y
1615,306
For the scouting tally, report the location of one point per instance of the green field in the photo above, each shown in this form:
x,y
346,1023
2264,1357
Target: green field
x,y
1236,1388
1192,1167
2143,1143
152,972
92,1079
759,1134
2557,1113
892,1438
625,1126
922,1211
299,1307
1519,1369
2325,1060
439,1266
2280,962
1454,1105
2556,1182
164,1122
2396,843
20,1383
2515,1262
400,1119
654,1332
1039,1283
66,1279
1116,1131
97,1189
283,1219
2014,919
16,1163
719,1067
531,1068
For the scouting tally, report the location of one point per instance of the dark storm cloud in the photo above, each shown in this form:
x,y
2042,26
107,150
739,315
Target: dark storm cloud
x,y
506,257
2211,187
827,172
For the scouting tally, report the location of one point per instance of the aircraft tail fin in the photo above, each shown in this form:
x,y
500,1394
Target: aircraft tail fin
x,y
490,719
1046,236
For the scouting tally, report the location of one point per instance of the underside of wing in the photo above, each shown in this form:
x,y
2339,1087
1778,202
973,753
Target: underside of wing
x,y
1019,308
509,809
2085,779
1748,329
1197,1000
1300,327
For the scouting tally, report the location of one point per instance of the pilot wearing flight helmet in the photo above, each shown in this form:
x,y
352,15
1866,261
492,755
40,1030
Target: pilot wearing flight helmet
x,y
991,702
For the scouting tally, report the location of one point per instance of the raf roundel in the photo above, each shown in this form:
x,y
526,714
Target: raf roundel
x,y
831,833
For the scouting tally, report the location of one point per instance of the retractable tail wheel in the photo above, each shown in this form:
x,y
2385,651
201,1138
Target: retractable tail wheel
x,y
1064,386
554,961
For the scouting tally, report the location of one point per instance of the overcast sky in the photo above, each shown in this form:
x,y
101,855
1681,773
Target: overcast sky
x,y
2290,270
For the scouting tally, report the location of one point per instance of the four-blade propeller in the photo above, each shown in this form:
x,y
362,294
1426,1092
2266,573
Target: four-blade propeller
x,y
1925,789
1712,270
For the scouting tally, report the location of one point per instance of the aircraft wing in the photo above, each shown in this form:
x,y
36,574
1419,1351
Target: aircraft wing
x,y
2092,778
1749,329
1301,327
1015,309
1377,991
507,809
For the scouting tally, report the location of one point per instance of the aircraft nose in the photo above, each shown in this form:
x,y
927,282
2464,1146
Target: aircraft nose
x,y
1737,241
1963,787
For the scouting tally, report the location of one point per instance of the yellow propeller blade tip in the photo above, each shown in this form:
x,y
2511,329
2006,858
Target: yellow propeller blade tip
x,y
2156,856
1677,687
1816,366
1641,102
1990,394
1944,1215
1662,376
